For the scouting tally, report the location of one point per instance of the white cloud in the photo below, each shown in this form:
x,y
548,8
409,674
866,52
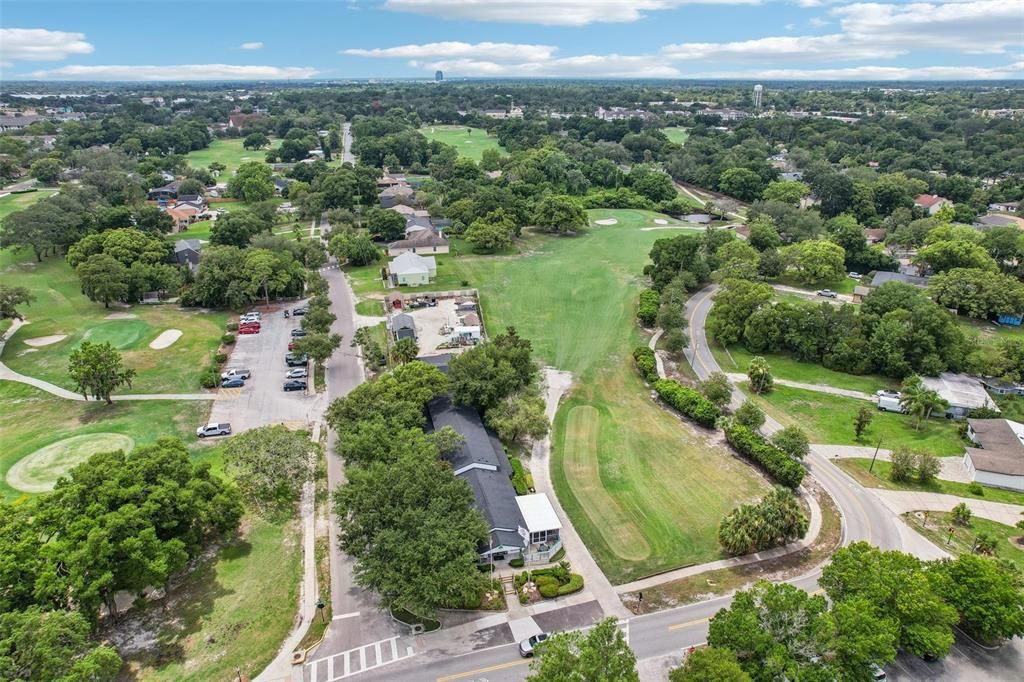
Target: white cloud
x,y
881,31
183,72
785,48
877,73
455,50
40,44
790,27
818,22
251,46
583,66
546,12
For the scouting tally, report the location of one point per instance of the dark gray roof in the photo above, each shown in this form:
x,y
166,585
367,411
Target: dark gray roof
x,y
402,321
496,500
420,238
480,447
881,278
187,244
1001,449
418,221
439,361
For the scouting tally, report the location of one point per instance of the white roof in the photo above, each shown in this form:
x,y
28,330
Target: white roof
x,y
411,263
538,514
959,390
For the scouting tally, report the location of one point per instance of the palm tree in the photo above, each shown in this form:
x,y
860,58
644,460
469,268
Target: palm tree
x,y
919,400
405,351
760,374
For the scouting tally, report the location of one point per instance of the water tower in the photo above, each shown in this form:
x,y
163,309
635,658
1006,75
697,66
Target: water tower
x,y
758,91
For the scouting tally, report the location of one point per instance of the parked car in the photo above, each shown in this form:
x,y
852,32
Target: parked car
x,y
297,373
827,293
252,315
890,403
300,311
295,385
291,345
249,329
214,430
236,372
877,674
527,646
293,360
855,275
233,382
296,333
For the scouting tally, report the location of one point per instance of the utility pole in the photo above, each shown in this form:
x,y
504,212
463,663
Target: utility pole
x,y
873,457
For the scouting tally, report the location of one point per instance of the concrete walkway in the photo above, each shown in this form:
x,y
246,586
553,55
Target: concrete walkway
x,y
594,581
903,501
952,467
8,374
736,378
813,529
658,362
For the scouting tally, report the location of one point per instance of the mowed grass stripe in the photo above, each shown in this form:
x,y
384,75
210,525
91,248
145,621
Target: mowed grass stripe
x,y
583,472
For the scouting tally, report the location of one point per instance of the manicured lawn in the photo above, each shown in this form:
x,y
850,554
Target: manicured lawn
x,y
677,135
32,419
231,612
227,151
469,142
935,526
844,285
737,358
371,307
879,478
829,419
199,230
646,493
13,203
61,309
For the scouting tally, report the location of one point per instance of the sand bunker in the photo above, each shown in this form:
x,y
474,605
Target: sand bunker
x,y
165,339
660,221
121,316
607,221
40,341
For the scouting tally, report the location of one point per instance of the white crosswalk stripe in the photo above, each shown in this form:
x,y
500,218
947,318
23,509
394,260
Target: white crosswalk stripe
x,y
354,661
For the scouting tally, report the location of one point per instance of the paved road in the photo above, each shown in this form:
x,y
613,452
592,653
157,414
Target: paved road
x,y
346,144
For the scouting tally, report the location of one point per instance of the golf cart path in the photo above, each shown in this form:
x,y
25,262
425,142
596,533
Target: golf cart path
x,y
738,378
8,374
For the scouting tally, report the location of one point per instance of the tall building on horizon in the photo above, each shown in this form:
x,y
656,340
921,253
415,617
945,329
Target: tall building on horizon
x,y
439,76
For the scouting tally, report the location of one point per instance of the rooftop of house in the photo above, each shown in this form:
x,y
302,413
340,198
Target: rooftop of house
x,y
402,321
411,263
881,277
187,245
875,234
419,238
440,361
959,390
538,514
1002,449
928,200
397,191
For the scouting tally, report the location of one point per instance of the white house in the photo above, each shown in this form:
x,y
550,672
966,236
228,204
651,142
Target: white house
x,y
542,525
931,203
410,269
999,459
419,241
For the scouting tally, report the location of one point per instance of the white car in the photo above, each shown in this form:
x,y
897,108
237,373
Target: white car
x,y
297,373
239,372
214,430
527,646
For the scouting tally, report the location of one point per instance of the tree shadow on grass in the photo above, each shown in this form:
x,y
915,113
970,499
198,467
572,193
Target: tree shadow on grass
x,y
96,412
177,628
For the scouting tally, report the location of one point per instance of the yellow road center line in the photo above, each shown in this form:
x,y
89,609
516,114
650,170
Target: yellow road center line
x,y
473,673
680,626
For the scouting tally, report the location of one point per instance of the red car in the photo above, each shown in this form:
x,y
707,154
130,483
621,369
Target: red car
x,y
291,345
252,329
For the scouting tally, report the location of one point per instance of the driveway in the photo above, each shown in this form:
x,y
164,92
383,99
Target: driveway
x,y
262,401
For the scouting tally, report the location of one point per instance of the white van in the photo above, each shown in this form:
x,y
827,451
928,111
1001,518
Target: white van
x,y
889,403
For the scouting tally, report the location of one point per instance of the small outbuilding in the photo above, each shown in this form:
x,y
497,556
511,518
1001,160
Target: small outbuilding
x,y
402,326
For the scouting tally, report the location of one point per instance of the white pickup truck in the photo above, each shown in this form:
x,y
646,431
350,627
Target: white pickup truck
x,y
239,372
222,429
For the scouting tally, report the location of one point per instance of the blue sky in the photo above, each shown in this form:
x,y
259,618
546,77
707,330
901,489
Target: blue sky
x,y
259,39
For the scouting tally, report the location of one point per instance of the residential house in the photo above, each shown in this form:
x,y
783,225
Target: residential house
x,y
874,235
881,277
440,361
1004,207
186,252
18,121
168,191
420,241
238,120
999,458
399,194
402,326
514,112
182,217
519,527
417,223
1000,387
931,203
386,181
408,211
280,186
962,392
411,269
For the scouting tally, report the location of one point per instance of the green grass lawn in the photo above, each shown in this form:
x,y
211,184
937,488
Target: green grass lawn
x,y
738,358
879,478
371,307
936,525
676,135
199,230
12,203
61,309
829,419
32,419
644,491
227,151
469,142
843,285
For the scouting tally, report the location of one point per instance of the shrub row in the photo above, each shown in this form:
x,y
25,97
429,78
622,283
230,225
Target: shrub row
x,y
647,309
688,402
773,461
645,362
519,477
575,584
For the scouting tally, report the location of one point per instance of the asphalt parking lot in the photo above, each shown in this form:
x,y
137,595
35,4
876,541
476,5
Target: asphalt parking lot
x,y
966,661
262,401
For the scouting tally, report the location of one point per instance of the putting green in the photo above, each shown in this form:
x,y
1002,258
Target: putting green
x,y
39,471
582,470
122,334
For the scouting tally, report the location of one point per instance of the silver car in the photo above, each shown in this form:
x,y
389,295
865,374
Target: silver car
x,y
527,646
297,373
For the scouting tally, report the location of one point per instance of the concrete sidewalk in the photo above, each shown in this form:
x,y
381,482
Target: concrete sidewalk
x,y
903,501
952,467
736,377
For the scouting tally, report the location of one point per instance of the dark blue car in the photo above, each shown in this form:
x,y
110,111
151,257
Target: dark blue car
x,y
233,382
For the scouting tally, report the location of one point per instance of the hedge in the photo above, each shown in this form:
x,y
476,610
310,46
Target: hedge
x,y
517,563
647,309
519,477
772,460
575,584
548,590
646,363
227,339
688,402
